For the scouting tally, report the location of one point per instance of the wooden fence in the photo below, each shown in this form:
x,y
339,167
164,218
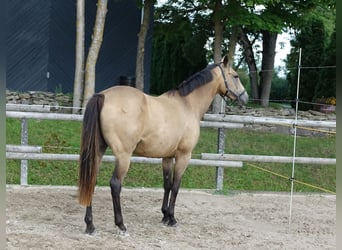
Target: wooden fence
x,y
25,152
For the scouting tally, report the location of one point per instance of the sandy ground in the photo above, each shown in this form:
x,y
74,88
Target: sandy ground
x,y
50,218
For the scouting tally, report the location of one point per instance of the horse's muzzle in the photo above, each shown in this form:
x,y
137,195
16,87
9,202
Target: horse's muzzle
x,y
243,99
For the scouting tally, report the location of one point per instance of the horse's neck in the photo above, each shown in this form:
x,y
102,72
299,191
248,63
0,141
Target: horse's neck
x,y
201,98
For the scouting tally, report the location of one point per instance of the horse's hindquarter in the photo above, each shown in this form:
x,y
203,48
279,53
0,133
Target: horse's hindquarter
x,y
122,118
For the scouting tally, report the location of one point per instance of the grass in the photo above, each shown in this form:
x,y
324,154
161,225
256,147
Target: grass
x,y
64,137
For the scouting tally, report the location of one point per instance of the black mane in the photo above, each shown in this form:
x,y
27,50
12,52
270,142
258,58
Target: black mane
x,y
198,79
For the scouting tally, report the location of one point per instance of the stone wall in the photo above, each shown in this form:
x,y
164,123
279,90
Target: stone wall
x,y
59,102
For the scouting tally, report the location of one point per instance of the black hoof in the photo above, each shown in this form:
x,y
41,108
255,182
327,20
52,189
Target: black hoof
x,y
169,220
172,222
122,231
165,220
122,227
90,230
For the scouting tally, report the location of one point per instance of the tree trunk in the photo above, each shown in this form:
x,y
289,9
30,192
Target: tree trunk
x,y
234,4
218,27
250,60
79,58
139,72
232,44
89,84
267,66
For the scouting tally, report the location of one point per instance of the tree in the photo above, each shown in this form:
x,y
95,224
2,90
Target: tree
x,y
89,81
268,44
248,21
313,38
277,16
326,86
148,4
79,55
279,87
218,33
248,55
230,20
178,47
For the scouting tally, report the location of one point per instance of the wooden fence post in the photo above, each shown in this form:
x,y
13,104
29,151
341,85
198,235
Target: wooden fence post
x,y
24,141
220,150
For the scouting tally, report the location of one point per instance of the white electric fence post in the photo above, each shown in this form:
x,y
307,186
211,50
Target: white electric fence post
x,y
295,135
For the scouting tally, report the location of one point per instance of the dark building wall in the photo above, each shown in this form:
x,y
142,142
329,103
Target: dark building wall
x,y
41,44
27,44
62,39
120,39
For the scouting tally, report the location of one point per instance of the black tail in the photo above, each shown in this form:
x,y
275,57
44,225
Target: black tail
x,y
91,142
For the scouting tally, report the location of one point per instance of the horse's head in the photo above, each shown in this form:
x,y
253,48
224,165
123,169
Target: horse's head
x,y
230,85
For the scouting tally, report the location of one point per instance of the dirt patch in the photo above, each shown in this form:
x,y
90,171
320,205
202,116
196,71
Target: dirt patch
x,y
50,218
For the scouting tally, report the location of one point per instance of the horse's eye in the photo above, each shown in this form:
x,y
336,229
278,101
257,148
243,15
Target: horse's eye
x,y
236,76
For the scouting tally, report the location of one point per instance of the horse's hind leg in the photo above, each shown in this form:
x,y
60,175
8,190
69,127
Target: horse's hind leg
x,y
180,166
121,168
88,219
167,175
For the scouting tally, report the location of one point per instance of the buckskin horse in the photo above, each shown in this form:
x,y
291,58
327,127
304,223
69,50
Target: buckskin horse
x,y
131,122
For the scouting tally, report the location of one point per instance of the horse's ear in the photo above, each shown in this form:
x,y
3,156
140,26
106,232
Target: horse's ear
x,y
225,61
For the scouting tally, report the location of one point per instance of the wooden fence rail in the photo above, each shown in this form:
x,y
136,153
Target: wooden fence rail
x,y
209,119
75,117
267,120
28,108
23,148
266,158
110,158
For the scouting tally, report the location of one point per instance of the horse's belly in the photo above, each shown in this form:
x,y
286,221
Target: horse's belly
x,y
155,148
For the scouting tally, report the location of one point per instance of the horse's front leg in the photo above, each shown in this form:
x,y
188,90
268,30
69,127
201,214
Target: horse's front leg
x,y
167,176
180,166
120,171
88,218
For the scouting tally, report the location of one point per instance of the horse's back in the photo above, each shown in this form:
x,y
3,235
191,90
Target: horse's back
x,y
125,95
